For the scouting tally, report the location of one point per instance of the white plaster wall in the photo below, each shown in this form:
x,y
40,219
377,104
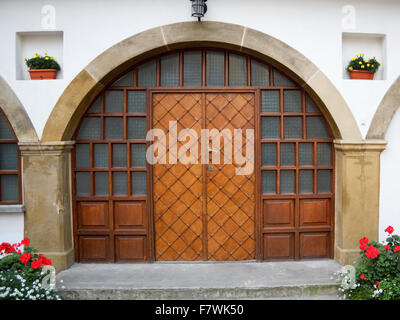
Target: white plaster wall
x,y
11,227
313,27
390,180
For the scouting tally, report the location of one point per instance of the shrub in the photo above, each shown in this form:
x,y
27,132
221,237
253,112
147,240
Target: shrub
x,y
24,273
42,62
376,274
358,63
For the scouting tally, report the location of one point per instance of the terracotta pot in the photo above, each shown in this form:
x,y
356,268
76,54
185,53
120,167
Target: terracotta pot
x,y
361,75
40,74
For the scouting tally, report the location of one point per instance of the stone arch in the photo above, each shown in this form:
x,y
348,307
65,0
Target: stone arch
x,y
96,75
385,112
16,114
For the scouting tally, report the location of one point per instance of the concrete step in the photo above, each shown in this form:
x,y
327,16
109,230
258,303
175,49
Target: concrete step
x,y
176,281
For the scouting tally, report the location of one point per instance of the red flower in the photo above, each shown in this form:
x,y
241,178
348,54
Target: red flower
x,y
8,248
25,258
26,242
363,247
387,247
396,248
362,276
372,252
364,241
389,230
36,264
44,260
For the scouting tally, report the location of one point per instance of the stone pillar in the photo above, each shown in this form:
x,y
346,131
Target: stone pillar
x,y
357,195
47,198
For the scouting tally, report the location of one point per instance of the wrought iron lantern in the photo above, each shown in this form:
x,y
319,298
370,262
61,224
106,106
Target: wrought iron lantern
x,y
199,8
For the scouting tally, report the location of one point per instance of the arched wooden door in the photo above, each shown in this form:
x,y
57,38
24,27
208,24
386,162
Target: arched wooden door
x,y
126,210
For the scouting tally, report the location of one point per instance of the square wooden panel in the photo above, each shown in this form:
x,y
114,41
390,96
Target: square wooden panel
x,y
314,212
130,215
93,215
94,249
130,248
314,245
278,246
278,213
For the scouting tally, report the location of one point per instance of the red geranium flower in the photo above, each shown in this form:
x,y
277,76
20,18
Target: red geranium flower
x,y
25,258
26,242
36,264
396,248
372,252
389,230
362,276
387,247
364,241
44,260
8,248
363,247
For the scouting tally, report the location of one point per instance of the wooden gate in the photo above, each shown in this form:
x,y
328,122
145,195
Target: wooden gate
x,y
204,212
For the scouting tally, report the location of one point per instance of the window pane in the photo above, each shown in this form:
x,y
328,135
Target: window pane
x,y
192,67
292,101
237,70
82,155
8,156
270,127
96,106
259,74
269,181
306,181
324,154
119,155
101,183
5,131
270,101
269,154
316,128
120,183
287,181
215,68
138,183
281,81
170,70
89,129
9,187
324,181
101,155
83,184
114,128
306,154
115,101
293,127
136,101
287,154
138,155
147,74
310,105
136,128
124,81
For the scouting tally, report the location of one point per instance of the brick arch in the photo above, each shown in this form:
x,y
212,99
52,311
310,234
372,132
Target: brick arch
x,y
96,75
16,114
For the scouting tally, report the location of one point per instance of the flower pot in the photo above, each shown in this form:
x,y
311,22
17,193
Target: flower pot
x,y
40,74
361,75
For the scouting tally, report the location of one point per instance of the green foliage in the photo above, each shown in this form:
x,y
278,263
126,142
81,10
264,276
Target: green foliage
x,y
358,63
42,62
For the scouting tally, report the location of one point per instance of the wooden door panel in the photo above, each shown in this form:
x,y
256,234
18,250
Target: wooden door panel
x,y
315,212
279,246
278,213
93,215
130,215
314,245
130,248
94,249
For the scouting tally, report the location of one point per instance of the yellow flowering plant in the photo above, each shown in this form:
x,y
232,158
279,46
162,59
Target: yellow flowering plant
x,y
42,62
359,63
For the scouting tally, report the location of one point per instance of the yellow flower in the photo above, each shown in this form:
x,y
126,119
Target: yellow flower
x,y
372,66
360,62
54,59
352,59
380,63
45,53
366,61
25,59
374,57
350,68
362,67
362,54
368,65
47,58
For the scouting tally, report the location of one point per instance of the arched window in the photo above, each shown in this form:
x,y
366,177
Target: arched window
x,y
10,189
